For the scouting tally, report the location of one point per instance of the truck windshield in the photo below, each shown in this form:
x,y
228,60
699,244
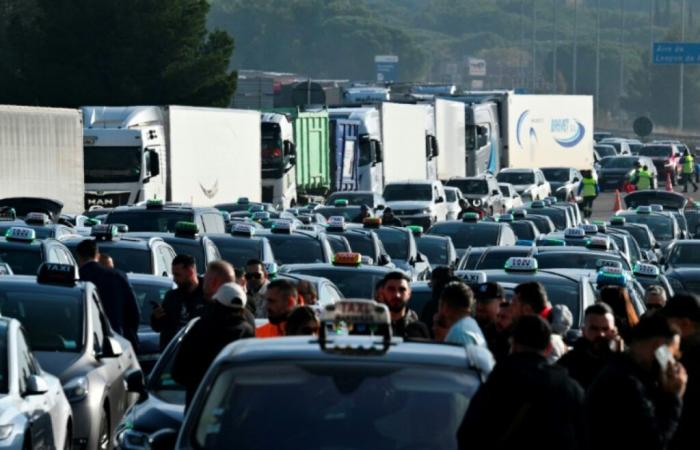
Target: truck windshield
x,y
112,164
656,151
516,178
399,192
271,145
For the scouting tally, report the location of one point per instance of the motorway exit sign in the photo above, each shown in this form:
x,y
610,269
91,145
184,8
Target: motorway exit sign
x,y
676,53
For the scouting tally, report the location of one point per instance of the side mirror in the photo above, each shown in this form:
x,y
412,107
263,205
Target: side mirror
x,y
164,439
153,163
135,382
380,207
495,192
36,385
113,349
421,258
384,259
440,200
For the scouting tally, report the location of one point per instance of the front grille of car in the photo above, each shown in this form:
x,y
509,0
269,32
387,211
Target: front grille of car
x,y
407,212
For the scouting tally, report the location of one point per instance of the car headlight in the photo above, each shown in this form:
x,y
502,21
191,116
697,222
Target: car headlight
x,y
132,440
5,431
427,211
76,389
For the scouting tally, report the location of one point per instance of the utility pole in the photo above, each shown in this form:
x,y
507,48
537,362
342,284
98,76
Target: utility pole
x,y
597,59
681,100
534,45
621,49
574,67
522,43
651,50
554,52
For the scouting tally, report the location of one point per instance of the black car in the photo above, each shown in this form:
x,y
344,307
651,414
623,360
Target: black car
x,y
24,253
560,216
439,249
481,192
238,248
297,247
472,234
615,170
357,198
563,180
158,217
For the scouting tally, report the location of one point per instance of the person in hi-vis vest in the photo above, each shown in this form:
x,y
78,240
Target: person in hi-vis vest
x,y
589,190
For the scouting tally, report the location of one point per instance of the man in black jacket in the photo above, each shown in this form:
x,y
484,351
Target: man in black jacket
x,y
634,402
396,295
222,323
594,350
117,296
179,305
684,312
525,403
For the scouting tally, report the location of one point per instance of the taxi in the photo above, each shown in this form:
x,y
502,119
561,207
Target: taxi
x,y
357,385
293,246
438,249
471,231
242,245
361,240
642,235
524,230
560,216
663,226
401,246
157,216
24,253
187,240
34,411
148,255
650,275
353,278
72,340
341,207
39,222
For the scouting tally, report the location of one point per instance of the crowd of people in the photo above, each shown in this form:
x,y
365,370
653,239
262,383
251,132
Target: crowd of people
x,y
627,382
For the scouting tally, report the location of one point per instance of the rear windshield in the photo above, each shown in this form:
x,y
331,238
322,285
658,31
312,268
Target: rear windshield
x,y
296,250
470,187
132,260
561,175
23,261
466,235
160,221
656,151
516,177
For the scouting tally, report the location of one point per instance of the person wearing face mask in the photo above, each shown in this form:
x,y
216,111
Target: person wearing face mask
x,y
396,295
594,350
636,400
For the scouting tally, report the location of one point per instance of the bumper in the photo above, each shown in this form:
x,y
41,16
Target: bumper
x,y
424,220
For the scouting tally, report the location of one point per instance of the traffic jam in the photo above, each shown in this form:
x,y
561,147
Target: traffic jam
x,y
478,310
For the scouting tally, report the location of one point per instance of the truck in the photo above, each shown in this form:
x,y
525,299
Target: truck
x,y
450,133
41,154
506,129
181,154
295,156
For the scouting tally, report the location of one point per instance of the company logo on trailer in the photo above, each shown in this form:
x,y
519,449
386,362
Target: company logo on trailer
x,y
524,129
567,132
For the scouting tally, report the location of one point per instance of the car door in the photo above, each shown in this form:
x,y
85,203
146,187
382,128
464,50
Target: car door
x,y
36,407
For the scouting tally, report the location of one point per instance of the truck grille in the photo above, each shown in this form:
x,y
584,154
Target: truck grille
x,y
106,199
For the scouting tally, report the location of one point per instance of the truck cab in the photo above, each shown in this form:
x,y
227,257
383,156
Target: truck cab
x,y
279,185
431,144
124,149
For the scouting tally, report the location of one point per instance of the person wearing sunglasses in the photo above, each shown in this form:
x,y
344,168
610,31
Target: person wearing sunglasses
x,y
256,284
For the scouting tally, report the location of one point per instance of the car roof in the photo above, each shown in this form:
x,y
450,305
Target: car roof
x,y
29,282
183,207
156,280
426,182
122,242
314,266
225,238
513,169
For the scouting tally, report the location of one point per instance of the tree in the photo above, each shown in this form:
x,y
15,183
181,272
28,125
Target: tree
x,y
117,52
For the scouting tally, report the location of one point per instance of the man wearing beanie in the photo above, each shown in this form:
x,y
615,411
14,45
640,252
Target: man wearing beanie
x,y
222,324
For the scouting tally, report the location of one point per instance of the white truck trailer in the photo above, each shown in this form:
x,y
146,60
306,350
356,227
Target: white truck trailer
x,y
41,154
201,156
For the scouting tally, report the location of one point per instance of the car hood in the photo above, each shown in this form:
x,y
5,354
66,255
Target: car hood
x,y
60,364
153,414
409,204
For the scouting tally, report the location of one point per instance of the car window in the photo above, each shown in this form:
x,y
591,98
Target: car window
x,y
54,256
293,250
127,259
213,223
25,363
685,255
212,251
470,187
146,294
466,235
451,195
97,330
329,294
395,242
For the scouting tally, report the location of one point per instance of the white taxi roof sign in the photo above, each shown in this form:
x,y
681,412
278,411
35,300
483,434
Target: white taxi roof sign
x,y
37,218
575,232
590,228
646,270
600,243
608,263
365,312
336,223
473,276
656,208
520,264
243,229
20,234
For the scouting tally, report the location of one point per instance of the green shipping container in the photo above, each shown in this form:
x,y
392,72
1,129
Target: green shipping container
x,y
312,147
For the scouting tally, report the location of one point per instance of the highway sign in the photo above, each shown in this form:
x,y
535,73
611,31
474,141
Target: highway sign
x,y
676,53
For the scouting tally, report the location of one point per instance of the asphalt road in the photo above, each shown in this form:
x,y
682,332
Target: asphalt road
x,y
603,206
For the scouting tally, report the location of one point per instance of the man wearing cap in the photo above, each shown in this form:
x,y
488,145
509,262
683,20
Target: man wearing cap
x,y
683,311
221,324
489,297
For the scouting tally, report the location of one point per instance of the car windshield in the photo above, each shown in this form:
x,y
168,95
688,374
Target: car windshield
x,y
134,260
685,254
4,360
543,224
296,250
497,259
558,216
146,294
193,248
661,226
618,162
435,250
641,236
395,242
161,221
23,261
361,243
352,198
355,283
576,260
656,151
451,195
238,252
351,406
416,192
470,187
112,164
693,219
466,235
516,178
523,230
561,175
53,320
603,151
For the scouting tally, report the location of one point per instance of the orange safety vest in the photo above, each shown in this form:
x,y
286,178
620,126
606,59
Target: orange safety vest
x,y
270,330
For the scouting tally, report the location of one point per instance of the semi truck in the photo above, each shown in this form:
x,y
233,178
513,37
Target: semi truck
x,y
505,129
295,156
173,153
450,133
41,155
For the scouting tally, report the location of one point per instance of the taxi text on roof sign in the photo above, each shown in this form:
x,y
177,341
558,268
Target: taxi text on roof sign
x,y
52,273
575,232
589,228
518,264
20,234
347,259
473,277
646,270
608,263
355,317
357,311
243,229
336,223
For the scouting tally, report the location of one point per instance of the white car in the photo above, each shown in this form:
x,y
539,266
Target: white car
x,y
417,202
529,183
452,196
34,411
511,198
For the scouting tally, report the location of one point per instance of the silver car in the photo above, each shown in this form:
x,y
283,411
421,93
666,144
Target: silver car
x,y
34,412
72,339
